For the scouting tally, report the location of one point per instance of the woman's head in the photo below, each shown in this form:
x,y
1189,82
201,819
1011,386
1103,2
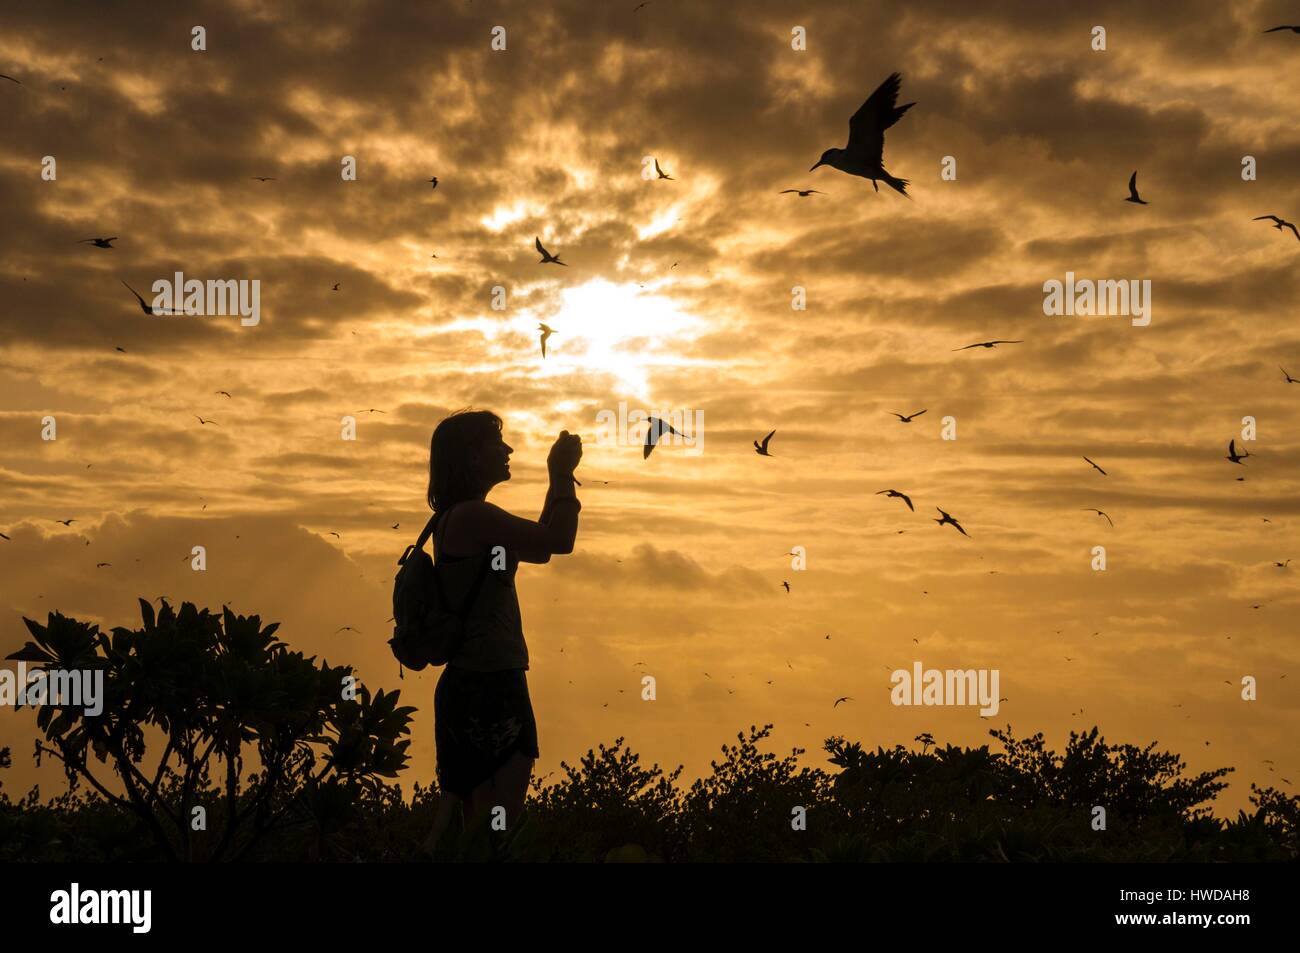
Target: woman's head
x,y
467,457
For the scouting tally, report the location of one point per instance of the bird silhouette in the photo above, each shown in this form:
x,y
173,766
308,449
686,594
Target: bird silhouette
x,y
657,429
787,585
802,193
986,344
99,242
66,522
336,286
434,183
346,628
1133,190
1279,223
1289,378
842,698
761,449
3,536
10,78
1089,509
1095,467
662,173
953,522
147,309
122,349
372,410
546,332
1293,29
547,257
202,421
263,178
863,155
1282,565
1233,455
224,393
902,496
102,565
908,418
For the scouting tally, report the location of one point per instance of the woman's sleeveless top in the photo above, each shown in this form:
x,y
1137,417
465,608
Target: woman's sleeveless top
x,y
494,629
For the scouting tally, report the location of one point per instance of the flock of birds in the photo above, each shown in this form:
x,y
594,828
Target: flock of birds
x,y
861,156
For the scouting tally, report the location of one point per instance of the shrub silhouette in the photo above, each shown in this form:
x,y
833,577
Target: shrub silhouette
x,y
214,692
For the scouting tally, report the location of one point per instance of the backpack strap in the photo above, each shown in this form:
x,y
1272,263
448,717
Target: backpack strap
x,y
477,585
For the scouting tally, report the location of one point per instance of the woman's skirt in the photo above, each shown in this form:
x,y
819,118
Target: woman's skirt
x,y
480,720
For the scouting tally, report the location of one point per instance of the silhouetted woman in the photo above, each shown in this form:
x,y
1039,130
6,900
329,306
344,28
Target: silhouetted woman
x,y
484,727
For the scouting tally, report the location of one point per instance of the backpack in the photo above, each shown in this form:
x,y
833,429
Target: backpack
x,y
428,630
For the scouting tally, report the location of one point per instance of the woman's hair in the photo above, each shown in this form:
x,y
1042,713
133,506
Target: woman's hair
x,y
453,476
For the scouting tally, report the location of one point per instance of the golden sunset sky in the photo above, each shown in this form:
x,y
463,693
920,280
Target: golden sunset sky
x,y
679,560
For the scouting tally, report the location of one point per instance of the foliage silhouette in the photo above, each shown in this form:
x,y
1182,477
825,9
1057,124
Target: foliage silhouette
x,y
216,691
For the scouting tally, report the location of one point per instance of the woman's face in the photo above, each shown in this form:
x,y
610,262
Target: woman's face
x,y
494,460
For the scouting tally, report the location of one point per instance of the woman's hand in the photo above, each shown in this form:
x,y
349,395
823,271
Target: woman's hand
x,y
564,456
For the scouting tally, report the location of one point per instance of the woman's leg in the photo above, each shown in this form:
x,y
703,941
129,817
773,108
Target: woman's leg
x,y
507,788
447,805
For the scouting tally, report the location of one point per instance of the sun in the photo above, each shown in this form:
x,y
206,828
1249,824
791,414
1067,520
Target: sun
x,y
618,329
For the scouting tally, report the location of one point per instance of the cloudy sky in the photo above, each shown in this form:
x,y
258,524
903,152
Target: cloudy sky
x,y
678,297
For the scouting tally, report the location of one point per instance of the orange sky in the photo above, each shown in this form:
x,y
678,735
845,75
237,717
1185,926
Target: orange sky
x,y
679,559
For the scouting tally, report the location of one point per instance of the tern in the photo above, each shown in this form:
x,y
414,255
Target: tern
x,y
902,496
1089,509
1289,378
546,332
864,153
761,449
1095,467
662,173
842,698
202,421
10,78
263,178
802,193
434,182
1279,223
1133,190
786,584
986,344
657,429
908,418
547,257
949,519
147,309
99,242
1233,455
1293,29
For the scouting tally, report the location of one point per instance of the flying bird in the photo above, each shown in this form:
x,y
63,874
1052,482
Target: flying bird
x,y
1089,509
902,496
908,418
336,287
122,349
1289,378
662,173
1133,190
372,410
1233,455
1293,29
66,522
949,519
202,421
99,242
546,332
147,309
802,193
1282,565
1279,223
346,628
786,584
225,393
842,698
986,344
657,429
434,183
864,153
10,78
547,257
262,178
3,536
761,449
1095,467
102,565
